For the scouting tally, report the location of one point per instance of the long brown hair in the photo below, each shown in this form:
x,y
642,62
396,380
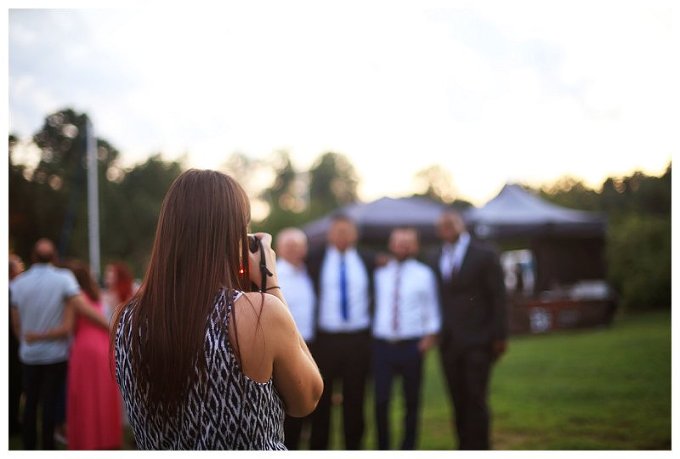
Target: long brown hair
x,y
200,247
84,278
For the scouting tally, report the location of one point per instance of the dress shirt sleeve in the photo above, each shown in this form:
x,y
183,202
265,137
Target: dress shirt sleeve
x,y
71,287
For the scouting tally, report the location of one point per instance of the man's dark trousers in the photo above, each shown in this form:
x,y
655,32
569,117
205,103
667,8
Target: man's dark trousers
x,y
42,384
344,356
467,375
390,359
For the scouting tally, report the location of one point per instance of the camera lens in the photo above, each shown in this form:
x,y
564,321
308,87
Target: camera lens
x,y
253,243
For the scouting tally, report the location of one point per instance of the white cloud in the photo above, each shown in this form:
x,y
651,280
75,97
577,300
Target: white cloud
x,y
491,93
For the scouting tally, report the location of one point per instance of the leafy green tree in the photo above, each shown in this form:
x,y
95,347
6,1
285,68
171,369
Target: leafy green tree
x,y
284,193
285,197
244,169
47,203
50,200
638,238
133,205
436,183
22,228
639,260
332,183
638,193
53,196
572,193
617,196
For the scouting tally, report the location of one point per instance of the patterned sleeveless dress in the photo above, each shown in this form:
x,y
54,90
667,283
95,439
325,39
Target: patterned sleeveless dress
x,y
225,410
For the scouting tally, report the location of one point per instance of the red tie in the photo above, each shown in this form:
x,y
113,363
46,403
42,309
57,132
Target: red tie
x,y
395,305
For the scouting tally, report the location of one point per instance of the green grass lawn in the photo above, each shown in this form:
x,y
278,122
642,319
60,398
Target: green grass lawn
x,y
605,388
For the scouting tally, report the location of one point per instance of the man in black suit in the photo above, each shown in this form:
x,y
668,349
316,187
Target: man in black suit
x,y
474,325
343,279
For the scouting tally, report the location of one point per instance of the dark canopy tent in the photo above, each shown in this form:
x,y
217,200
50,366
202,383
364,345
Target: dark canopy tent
x,y
376,219
567,244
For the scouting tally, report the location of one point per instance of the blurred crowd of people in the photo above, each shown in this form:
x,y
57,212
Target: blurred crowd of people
x,y
372,316
366,316
60,352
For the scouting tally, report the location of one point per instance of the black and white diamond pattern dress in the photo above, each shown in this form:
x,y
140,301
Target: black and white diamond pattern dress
x,y
225,410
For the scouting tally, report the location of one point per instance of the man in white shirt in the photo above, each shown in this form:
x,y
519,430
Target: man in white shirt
x,y
405,326
343,279
297,288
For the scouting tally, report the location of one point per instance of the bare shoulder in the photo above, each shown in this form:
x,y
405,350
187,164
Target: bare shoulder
x,y
269,309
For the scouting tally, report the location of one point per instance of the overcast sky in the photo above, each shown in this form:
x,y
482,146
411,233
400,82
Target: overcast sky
x,y
493,92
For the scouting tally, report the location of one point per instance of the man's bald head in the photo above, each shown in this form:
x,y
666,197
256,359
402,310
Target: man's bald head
x,y
44,251
291,245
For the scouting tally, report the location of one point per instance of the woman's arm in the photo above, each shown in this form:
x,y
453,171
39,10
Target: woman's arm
x,y
64,329
91,313
295,374
75,304
294,371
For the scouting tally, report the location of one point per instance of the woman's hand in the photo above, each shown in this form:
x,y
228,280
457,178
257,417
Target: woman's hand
x,y
32,337
426,342
270,259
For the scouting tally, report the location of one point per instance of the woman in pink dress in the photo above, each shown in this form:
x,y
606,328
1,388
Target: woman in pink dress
x,y
93,410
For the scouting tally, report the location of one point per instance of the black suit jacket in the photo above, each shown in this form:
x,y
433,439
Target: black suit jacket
x,y
315,263
473,303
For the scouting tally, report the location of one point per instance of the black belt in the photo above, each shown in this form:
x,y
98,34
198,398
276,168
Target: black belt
x,y
395,342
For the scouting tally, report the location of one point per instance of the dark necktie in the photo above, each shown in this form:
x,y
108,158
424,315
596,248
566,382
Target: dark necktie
x,y
395,305
344,306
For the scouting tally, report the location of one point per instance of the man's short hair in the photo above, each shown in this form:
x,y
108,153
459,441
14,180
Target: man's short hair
x,y
44,251
406,228
340,216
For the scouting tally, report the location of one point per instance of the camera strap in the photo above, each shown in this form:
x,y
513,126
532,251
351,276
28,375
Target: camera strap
x,y
264,271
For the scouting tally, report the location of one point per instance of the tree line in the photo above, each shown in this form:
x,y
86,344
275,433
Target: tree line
x,y
48,199
638,240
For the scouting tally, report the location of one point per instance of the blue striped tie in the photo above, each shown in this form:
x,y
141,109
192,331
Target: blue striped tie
x,y
343,288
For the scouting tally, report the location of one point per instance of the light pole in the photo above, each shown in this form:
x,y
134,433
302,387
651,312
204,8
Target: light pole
x,y
93,201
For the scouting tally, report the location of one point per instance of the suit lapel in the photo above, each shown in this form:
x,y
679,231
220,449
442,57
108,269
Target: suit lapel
x,y
465,265
436,264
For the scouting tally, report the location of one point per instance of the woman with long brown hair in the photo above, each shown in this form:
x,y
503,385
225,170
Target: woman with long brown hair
x,y
203,363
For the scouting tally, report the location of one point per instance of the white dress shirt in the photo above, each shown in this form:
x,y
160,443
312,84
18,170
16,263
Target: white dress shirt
x,y
330,310
298,291
416,298
453,255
